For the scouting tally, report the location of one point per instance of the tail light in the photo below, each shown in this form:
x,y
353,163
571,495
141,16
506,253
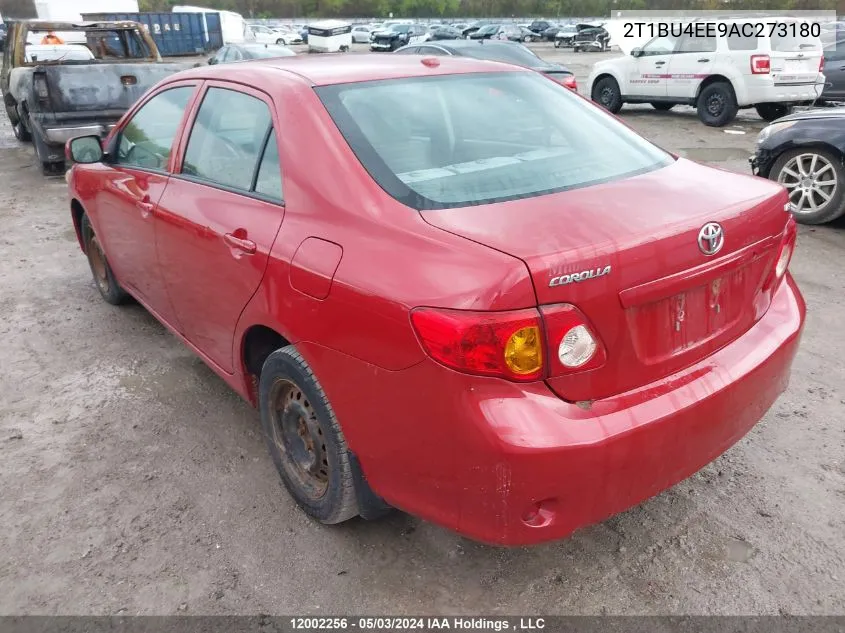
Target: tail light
x,y
504,344
40,86
520,345
760,64
572,344
569,82
787,248
821,64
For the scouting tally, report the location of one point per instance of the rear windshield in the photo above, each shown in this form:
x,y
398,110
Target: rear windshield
x,y
461,140
794,44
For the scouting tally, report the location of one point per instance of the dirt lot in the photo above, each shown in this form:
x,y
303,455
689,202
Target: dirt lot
x,y
134,481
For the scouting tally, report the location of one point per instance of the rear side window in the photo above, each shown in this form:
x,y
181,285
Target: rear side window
x,y
269,181
227,139
460,140
740,43
146,141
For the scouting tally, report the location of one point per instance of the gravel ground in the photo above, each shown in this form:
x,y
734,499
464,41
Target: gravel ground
x,y
135,482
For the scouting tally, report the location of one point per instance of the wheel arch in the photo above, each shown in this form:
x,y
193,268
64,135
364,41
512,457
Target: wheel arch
x,y
603,75
76,213
257,342
712,79
814,144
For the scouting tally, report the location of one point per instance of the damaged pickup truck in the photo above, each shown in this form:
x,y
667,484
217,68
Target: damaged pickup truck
x,y
62,80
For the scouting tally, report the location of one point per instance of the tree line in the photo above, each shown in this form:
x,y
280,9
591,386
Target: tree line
x,y
452,8
482,8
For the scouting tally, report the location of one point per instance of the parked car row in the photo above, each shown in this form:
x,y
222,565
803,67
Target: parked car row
x,y
579,37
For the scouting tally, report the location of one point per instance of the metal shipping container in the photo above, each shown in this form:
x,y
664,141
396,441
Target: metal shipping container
x,y
174,33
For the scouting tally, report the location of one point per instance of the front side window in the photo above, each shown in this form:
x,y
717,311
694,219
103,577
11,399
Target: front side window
x,y
147,140
461,140
660,46
697,45
227,138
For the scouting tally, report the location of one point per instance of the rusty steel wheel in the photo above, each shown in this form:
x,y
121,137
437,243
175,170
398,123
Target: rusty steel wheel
x,y
98,264
305,439
107,286
299,438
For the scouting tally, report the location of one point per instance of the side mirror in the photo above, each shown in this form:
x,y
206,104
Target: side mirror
x,y
636,52
212,61
84,149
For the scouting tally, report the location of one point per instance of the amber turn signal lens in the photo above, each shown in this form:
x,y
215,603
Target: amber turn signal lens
x,y
524,351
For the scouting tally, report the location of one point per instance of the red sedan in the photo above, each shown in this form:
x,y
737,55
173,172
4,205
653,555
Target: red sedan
x,y
450,286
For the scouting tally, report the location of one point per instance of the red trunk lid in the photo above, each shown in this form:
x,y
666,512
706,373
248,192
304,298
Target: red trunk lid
x,y
663,304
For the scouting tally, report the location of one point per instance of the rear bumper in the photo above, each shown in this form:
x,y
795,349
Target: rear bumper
x,y
512,464
761,162
764,89
57,133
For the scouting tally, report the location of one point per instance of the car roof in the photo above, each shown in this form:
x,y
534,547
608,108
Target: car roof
x,y
456,44
323,70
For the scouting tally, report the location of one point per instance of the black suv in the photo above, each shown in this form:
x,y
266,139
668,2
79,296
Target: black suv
x,y
538,26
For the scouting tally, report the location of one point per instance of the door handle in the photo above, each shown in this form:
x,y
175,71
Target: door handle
x,y
659,63
146,206
842,68
240,243
704,59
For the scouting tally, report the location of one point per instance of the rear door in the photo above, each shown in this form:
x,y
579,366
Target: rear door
x,y
220,214
795,59
648,73
834,70
690,65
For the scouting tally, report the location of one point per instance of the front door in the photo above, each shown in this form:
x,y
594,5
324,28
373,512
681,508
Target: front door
x,y
690,65
220,215
648,72
136,176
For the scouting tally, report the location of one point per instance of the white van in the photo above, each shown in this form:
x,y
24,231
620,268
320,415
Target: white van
x,y
764,63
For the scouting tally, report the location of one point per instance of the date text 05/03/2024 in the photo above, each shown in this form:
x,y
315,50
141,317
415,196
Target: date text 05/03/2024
x,y
722,29
405,623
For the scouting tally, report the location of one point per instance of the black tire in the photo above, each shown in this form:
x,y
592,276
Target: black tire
x,y
281,42
716,104
772,111
662,106
831,209
20,130
606,94
325,490
53,168
109,289
344,49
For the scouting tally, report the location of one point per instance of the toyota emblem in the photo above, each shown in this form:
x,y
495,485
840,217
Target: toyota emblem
x,y
711,238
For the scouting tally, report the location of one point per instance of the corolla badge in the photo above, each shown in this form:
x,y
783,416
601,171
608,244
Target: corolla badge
x,y
562,280
711,238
